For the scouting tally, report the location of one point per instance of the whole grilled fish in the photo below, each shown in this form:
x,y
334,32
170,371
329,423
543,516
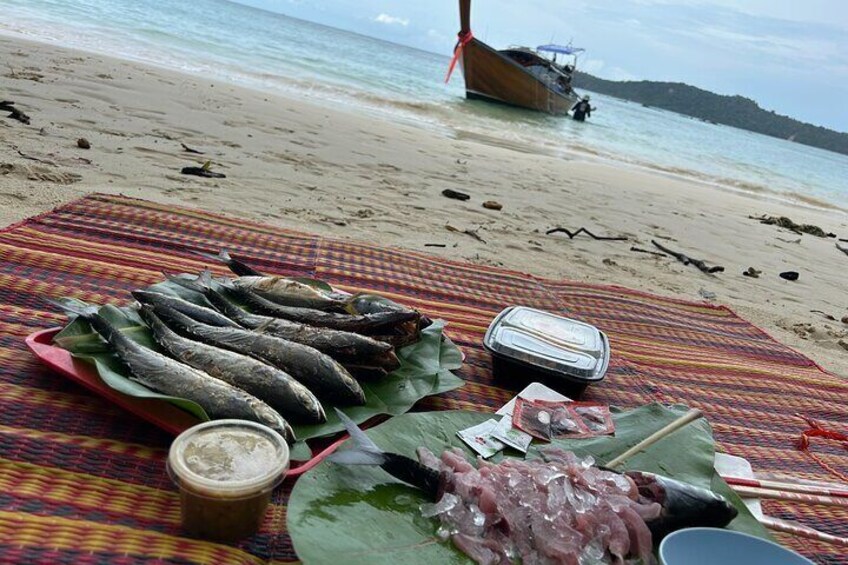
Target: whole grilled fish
x,y
361,323
357,304
348,348
235,265
190,309
268,383
165,375
290,292
318,372
682,505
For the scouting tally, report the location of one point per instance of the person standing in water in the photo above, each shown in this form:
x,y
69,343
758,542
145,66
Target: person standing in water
x,y
582,109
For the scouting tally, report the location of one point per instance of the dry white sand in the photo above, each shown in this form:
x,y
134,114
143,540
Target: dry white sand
x,y
336,173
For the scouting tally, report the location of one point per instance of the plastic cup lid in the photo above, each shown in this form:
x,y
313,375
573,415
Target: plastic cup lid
x,y
228,457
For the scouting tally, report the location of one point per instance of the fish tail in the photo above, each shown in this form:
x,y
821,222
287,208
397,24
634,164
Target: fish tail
x,y
222,256
75,307
363,452
204,279
185,283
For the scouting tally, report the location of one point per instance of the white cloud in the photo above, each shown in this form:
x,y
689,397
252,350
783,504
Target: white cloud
x,y
391,20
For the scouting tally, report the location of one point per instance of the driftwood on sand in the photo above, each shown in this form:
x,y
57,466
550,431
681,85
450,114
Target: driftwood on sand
x,y
188,149
9,106
686,260
784,222
842,249
648,251
572,234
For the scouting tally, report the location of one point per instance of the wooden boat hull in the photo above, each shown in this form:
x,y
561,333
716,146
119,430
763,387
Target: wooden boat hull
x,y
492,76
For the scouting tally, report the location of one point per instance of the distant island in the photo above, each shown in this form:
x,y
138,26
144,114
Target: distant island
x,y
736,111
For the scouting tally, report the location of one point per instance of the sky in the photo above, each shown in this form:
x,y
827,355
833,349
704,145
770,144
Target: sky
x,y
789,56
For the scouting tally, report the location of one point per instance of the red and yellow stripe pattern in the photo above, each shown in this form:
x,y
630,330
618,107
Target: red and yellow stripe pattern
x,y
82,482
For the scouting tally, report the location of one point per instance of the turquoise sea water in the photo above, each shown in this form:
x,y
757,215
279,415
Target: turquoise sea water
x,y
273,52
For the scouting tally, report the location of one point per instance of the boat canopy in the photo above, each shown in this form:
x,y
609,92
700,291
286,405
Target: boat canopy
x,y
562,49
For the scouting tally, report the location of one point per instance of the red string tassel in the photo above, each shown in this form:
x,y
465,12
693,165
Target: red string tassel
x,y
464,39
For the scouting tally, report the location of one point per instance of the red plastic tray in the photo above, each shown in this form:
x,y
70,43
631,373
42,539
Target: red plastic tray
x,y
160,413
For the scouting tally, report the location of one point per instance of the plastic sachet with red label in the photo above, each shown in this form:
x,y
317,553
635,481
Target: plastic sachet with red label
x,y
532,417
596,417
546,420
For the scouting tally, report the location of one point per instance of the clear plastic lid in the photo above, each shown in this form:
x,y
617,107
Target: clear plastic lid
x,y
228,458
548,341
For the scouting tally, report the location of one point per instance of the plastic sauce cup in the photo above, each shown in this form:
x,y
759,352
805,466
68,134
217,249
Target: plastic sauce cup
x,y
226,471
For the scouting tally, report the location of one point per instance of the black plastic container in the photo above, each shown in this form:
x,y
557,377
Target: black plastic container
x,y
530,345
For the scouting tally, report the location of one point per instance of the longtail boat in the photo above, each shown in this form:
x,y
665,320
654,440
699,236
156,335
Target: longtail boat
x,y
517,76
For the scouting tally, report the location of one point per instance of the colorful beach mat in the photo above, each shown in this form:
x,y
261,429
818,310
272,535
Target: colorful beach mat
x,y
83,482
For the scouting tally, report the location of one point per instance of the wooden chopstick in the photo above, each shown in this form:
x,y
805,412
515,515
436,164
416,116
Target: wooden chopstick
x,y
690,416
754,492
781,478
800,530
786,486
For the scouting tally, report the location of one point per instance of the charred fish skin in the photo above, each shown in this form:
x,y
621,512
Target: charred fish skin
x,y
195,311
239,268
269,384
163,374
683,505
323,376
372,304
365,323
345,347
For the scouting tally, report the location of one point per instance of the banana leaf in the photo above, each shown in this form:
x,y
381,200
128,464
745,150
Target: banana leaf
x,y
364,515
425,366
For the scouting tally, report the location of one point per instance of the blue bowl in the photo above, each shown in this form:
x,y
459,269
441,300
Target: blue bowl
x,y
714,546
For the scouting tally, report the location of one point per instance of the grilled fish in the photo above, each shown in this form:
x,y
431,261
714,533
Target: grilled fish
x,y
357,304
348,348
165,375
290,292
380,322
268,383
318,372
190,309
364,303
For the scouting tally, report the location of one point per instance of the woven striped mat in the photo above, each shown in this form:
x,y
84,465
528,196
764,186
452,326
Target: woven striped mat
x,y
82,482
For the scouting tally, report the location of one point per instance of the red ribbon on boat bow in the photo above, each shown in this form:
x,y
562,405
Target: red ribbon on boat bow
x,y
464,39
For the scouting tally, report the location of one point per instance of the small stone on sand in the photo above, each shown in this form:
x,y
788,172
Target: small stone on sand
x,y
492,205
83,143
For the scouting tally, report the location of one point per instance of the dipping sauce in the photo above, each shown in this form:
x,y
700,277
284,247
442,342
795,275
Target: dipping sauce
x,y
226,471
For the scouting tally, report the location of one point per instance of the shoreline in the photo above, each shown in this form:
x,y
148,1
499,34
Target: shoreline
x,y
411,118
293,164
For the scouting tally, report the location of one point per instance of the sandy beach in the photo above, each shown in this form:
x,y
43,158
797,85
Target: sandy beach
x,y
331,171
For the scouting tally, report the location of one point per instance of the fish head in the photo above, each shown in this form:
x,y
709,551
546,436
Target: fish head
x,y
683,505
146,297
